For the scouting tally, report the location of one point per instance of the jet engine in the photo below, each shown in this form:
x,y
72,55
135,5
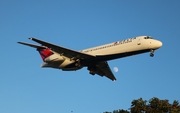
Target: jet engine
x,y
54,58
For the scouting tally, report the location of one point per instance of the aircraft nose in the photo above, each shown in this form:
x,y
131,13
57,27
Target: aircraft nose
x,y
159,43
155,44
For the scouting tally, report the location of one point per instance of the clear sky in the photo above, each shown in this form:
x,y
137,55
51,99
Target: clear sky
x,y
80,24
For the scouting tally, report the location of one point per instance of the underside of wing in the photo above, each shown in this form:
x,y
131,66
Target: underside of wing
x,y
102,69
63,51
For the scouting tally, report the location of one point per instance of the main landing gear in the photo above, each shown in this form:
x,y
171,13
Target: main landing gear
x,y
92,70
152,53
78,63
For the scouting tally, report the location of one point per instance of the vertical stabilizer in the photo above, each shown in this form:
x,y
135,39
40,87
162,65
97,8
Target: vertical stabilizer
x,y
45,53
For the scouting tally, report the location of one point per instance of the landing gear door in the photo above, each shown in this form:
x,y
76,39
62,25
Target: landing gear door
x,y
139,42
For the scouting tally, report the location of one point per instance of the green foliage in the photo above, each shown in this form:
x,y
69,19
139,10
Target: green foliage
x,y
118,111
154,105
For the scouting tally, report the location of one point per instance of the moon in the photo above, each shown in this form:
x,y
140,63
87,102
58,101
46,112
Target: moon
x,y
115,69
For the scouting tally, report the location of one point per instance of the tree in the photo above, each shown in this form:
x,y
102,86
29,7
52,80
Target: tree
x,y
154,105
118,111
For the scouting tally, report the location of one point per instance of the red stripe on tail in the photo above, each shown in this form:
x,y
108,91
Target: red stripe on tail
x,y
45,53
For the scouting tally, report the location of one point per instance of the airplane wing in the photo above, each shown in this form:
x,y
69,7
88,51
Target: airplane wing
x,y
102,69
63,51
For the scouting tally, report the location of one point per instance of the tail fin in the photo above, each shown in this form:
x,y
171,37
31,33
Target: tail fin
x,y
45,53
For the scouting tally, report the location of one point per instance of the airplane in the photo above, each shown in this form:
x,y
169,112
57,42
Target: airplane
x,y
95,59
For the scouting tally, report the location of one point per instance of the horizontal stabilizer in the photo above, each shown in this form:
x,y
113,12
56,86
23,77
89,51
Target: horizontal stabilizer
x,y
32,45
62,50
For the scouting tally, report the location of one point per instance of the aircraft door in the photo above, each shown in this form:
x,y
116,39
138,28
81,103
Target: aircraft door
x,y
139,42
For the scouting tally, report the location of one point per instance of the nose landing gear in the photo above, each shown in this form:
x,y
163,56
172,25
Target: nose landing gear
x,y
152,53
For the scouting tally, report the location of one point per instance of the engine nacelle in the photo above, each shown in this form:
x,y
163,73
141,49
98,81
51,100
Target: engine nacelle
x,y
54,58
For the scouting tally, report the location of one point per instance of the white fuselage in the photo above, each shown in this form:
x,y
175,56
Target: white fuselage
x,y
124,46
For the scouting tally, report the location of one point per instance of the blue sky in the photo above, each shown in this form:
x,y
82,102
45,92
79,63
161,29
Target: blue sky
x,y
80,24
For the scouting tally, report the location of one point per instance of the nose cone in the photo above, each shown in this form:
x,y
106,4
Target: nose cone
x,y
159,44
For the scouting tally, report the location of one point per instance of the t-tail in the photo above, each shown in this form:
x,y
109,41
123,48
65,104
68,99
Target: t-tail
x,y
44,51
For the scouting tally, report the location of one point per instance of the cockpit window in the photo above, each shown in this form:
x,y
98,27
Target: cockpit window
x,y
148,37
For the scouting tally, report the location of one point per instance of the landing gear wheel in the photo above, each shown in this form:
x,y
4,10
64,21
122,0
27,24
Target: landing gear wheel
x,y
151,54
78,63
